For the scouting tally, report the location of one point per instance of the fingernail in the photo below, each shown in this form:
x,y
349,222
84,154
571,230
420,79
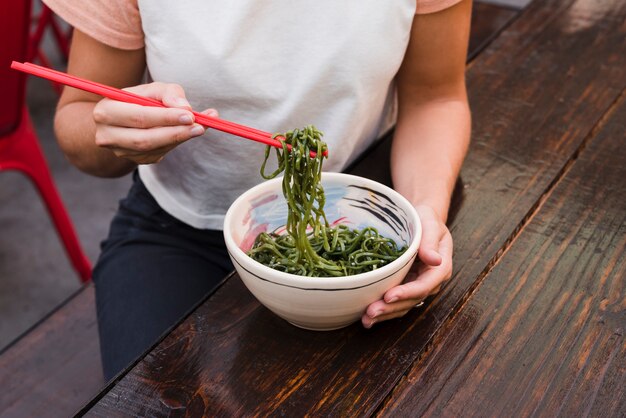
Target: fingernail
x,y
393,299
197,130
182,102
375,314
212,112
185,119
371,324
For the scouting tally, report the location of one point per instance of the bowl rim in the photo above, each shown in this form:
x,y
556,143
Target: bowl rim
x,y
349,282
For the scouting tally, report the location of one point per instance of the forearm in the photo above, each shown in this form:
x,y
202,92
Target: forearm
x,y
75,130
430,143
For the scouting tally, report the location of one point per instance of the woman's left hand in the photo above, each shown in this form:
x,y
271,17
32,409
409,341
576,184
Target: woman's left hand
x,y
432,267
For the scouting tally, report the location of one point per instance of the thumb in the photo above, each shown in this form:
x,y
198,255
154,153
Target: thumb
x,y
428,251
211,112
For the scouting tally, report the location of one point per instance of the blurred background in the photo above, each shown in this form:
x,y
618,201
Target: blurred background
x,y
35,272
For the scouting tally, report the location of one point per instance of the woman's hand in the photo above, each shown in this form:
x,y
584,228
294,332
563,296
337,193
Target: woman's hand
x,y
433,267
430,141
145,134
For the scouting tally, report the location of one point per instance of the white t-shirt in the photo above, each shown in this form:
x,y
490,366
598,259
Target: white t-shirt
x,y
273,66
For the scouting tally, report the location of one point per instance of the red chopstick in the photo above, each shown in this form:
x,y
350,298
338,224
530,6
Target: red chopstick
x,y
128,97
137,99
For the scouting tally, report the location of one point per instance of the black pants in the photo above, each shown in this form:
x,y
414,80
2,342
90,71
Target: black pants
x,y
152,270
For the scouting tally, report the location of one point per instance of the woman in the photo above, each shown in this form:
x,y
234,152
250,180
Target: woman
x,y
354,69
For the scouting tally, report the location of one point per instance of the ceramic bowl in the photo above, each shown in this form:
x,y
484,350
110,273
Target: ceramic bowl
x,y
322,303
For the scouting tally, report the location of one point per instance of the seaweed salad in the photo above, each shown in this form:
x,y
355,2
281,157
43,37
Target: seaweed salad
x,y
310,246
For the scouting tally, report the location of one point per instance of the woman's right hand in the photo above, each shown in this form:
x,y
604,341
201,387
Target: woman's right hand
x,y
145,134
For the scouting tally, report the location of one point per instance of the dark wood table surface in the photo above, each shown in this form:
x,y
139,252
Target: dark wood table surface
x,y
532,322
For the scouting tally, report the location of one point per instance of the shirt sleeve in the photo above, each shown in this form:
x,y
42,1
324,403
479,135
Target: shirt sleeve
x,y
116,23
432,6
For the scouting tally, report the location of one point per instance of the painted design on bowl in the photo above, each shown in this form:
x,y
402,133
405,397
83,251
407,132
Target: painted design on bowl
x,y
345,204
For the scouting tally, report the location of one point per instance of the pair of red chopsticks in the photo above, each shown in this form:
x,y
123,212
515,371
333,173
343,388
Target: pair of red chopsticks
x,y
128,97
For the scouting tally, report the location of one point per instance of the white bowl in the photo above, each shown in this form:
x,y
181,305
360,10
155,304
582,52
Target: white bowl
x,y
322,303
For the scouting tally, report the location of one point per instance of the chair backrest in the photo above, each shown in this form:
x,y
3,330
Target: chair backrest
x,y
14,35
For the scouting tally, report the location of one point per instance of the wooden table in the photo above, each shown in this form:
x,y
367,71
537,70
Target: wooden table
x,y
532,322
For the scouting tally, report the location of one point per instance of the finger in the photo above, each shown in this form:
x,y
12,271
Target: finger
x,y
400,309
422,279
171,95
446,250
422,286
432,231
381,308
112,112
369,322
446,246
413,293
401,299
211,112
146,140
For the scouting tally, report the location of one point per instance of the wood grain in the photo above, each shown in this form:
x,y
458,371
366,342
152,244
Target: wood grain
x,y
543,335
55,368
487,22
75,322
537,92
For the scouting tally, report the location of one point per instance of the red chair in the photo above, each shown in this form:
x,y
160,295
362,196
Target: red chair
x,y
19,147
47,19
